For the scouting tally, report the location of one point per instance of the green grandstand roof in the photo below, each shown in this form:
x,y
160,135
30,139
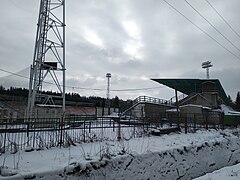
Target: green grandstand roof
x,y
189,86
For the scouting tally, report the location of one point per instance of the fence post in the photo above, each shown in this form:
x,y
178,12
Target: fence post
x,y
34,133
134,130
147,125
206,120
161,122
61,123
89,126
170,122
186,124
222,119
113,126
102,130
119,132
5,137
28,128
177,106
205,114
119,129
84,126
60,128
194,122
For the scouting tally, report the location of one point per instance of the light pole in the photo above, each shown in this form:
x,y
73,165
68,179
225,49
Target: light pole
x,y
108,76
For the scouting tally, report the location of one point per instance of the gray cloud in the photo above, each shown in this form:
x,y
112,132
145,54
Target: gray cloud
x,y
135,40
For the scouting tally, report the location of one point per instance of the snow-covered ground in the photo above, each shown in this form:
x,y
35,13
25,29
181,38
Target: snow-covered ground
x,y
226,173
174,156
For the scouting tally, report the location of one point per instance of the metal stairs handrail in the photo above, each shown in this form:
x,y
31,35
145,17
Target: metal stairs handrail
x,y
180,97
150,100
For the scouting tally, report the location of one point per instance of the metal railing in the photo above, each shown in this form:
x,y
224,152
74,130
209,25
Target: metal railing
x,y
151,100
47,133
180,97
147,99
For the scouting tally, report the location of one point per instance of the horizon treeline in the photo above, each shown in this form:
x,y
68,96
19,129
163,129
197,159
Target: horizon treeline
x,y
76,97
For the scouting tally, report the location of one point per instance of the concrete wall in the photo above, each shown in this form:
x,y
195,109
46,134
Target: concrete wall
x,y
47,112
104,111
196,99
153,112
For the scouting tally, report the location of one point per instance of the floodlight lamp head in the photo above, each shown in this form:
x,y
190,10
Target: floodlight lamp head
x,y
108,75
206,64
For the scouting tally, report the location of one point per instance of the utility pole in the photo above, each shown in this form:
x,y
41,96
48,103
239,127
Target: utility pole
x,y
48,67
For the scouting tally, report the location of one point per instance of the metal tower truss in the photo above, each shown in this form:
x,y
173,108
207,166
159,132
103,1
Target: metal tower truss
x,y
48,67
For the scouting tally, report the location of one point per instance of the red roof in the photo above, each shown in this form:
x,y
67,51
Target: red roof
x,y
73,110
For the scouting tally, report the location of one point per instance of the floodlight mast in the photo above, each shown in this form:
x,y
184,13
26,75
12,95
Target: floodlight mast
x,y
108,76
49,56
206,65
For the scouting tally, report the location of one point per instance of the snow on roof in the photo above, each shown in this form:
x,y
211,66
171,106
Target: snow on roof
x,y
195,105
217,110
172,110
228,110
49,105
188,105
234,113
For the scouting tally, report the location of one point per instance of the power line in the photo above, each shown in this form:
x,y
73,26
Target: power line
x,y
138,89
118,90
25,77
201,29
222,18
15,74
84,88
212,25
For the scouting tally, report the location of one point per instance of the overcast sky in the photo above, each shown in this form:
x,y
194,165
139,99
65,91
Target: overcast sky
x,y
134,40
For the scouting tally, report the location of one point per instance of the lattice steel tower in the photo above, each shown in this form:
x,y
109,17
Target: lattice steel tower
x,y
48,67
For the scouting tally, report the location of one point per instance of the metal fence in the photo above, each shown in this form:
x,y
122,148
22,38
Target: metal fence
x,y
46,133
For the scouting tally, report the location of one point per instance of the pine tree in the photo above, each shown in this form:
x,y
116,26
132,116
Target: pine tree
x,y
229,98
238,101
116,102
